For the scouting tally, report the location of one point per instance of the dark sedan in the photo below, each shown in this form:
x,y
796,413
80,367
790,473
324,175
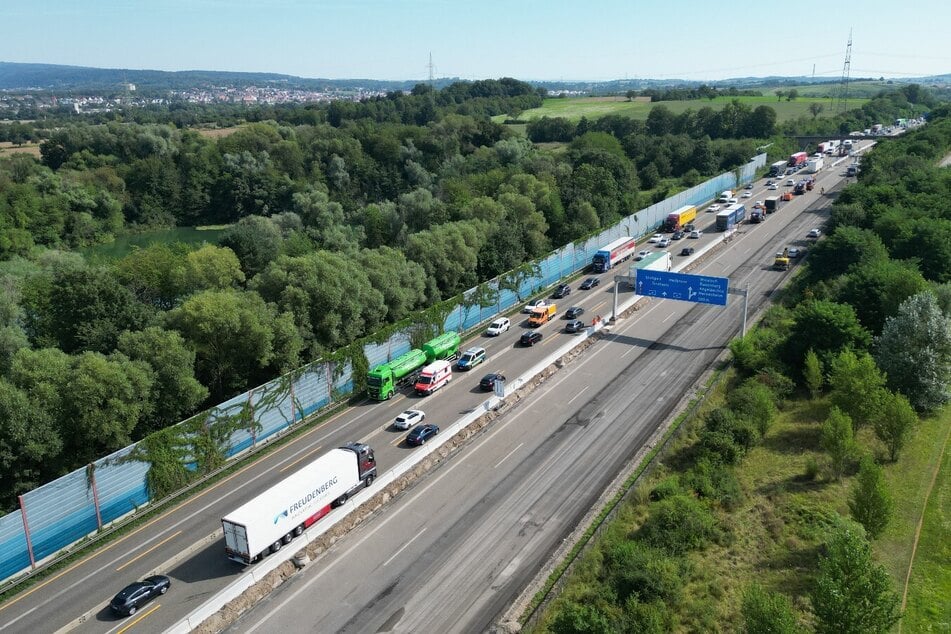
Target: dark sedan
x,y
562,291
421,434
487,383
574,312
687,251
575,325
530,338
137,594
590,283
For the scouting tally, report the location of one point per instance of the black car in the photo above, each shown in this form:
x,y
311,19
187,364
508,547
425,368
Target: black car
x,y
487,383
574,312
590,283
687,251
689,227
137,594
677,235
575,325
530,338
421,434
562,291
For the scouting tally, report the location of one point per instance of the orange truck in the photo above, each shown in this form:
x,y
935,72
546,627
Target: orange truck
x,y
542,315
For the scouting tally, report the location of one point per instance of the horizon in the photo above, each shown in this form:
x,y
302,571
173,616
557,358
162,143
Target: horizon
x,y
608,40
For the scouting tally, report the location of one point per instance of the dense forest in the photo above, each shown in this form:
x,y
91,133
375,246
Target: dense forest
x,y
343,219
858,347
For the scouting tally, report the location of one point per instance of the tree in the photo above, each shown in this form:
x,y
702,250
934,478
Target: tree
x,y
780,94
791,94
256,241
894,423
212,268
104,403
826,327
871,502
852,595
914,351
29,444
234,336
329,295
175,392
155,274
838,440
815,108
876,289
767,612
812,373
857,386
78,308
833,256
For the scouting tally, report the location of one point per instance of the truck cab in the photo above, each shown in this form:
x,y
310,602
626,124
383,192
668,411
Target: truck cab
x,y
541,316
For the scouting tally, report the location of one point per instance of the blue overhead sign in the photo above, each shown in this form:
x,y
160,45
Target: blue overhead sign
x,y
703,289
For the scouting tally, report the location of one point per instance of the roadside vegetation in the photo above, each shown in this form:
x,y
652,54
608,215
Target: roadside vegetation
x,y
792,502
344,222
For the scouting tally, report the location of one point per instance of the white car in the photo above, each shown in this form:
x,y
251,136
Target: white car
x,y
731,201
657,237
747,194
664,242
408,418
696,233
713,208
538,303
773,187
641,255
790,182
814,233
498,326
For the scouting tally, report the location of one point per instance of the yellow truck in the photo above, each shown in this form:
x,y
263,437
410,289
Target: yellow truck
x,y
781,263
542,315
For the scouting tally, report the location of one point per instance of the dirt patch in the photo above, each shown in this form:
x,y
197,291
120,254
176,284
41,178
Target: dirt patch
x,y
7,148
217,133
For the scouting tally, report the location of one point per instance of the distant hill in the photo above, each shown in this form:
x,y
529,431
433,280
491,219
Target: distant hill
x,y
16,76
55,77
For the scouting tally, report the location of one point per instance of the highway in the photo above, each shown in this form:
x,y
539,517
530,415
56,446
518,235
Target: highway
x,y
452,551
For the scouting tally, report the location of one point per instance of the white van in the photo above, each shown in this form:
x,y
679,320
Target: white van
x,y
726,196
433,376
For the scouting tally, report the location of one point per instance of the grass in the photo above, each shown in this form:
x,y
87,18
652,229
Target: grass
x,y
7,148
775,534
928,605
596,107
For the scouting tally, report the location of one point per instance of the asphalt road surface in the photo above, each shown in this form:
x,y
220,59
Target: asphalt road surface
x,y
458,546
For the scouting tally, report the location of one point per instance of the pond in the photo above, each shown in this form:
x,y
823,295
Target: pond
x,y
123,245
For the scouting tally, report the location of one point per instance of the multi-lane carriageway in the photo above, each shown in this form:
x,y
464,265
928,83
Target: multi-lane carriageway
x,y
514,477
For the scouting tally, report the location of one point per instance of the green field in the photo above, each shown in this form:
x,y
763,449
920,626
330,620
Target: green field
x,y
596,107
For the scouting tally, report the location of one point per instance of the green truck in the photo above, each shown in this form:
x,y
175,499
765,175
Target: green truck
x,y
383,380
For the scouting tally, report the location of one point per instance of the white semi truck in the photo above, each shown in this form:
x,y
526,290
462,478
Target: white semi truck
x,y
278,515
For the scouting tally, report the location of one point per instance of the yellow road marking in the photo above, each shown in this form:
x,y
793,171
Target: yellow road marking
x,y
288,466
145,614
146,552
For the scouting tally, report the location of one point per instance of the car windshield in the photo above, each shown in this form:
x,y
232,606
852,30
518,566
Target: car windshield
x,y
425,379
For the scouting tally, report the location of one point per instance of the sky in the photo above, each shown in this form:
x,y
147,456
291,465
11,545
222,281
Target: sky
x,y
596,40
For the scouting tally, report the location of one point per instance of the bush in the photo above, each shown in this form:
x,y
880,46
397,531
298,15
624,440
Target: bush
x,y
647,618
679,524
765,611
580,618
719,446
740,429
714,481
753,402
812,468
633,569
666,488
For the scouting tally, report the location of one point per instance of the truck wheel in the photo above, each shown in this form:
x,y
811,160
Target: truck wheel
x,y
299,531
276,546
369,481
389,395
287,538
